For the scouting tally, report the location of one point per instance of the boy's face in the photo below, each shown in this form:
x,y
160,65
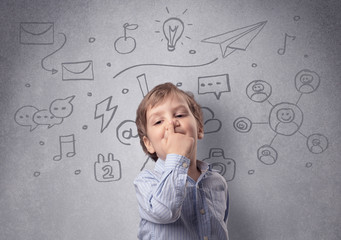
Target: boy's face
x,y
174,108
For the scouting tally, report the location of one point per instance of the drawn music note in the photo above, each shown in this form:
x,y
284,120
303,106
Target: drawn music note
x,y
66,147
281,51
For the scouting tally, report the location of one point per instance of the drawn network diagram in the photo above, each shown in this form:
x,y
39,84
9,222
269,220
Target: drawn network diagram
x,y
285,118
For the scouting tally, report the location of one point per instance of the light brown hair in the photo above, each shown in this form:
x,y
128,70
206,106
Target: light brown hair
x,y
156,96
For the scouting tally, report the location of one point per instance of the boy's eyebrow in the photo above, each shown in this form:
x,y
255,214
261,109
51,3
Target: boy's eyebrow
x,y
158,113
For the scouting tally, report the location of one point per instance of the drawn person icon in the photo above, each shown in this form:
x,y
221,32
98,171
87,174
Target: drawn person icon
x,y
317,143
307,81
285,118
267,155
258,90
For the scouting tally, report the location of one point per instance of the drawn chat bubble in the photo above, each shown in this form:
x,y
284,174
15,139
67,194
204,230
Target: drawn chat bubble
x,y
214,84
62,108
24,117
126,131
44,117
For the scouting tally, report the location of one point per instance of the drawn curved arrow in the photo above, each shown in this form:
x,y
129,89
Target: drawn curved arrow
x,y
53,71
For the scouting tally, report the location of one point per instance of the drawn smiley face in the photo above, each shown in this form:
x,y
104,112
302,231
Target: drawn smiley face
x,y
258,87
266,152
306,79
285,115
316,142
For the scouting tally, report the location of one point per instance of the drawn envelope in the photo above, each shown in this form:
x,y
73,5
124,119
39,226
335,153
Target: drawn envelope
x,y
77,71
36,33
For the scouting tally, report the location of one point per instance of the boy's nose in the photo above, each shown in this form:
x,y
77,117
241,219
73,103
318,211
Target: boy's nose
x,y
176,123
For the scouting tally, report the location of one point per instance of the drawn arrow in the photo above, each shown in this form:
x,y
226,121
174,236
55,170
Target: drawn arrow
x,y
53,71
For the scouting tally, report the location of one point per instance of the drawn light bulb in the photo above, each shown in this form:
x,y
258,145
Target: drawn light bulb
x,y
173,29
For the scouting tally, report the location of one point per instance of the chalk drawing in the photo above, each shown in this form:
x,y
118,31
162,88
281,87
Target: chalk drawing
x,y
105,111
107,170
238,39
216,84
126,44
66,147
36,33
126,131
211,124
42,62
172,30
143,84
218,162
30,116
258,91
285,118
165,65
281,51
82,70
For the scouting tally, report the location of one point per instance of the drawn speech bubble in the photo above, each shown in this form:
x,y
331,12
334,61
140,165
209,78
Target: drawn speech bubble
x,y
62,108
214,84
24,117
44,117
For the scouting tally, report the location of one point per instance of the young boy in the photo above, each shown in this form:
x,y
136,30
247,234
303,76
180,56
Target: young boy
x,y
181,199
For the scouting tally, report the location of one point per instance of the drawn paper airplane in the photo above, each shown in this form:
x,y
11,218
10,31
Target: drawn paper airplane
x,y
238,39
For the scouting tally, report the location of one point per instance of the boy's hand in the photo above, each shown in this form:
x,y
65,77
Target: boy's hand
x,y
177,143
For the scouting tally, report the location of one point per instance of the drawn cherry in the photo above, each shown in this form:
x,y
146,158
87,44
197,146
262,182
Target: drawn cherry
x,y
124,44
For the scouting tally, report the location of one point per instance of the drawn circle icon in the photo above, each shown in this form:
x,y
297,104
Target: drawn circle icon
x,y
317,143
258,90
267,155
307,81
242,124
285,118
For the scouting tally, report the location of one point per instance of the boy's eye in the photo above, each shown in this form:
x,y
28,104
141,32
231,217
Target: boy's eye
x,y
180,115
158,122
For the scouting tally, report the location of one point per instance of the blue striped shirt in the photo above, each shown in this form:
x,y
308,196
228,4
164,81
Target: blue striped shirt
x,y
173,206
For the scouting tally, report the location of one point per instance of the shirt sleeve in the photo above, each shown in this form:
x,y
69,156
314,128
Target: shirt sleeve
x,y
160,198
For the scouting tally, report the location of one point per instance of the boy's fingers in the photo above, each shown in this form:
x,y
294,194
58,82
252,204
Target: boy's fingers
x,y
166,133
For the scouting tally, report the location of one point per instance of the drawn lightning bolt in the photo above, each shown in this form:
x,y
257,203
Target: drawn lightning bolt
x,y
105,111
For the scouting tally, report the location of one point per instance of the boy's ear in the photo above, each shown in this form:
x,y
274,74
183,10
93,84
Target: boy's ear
x,y
148,145
200,133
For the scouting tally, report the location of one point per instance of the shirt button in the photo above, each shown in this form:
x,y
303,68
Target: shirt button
x,y
202,211
205,238
185,165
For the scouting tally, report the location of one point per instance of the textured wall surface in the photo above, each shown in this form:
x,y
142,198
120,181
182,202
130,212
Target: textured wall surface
x,y
266,73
